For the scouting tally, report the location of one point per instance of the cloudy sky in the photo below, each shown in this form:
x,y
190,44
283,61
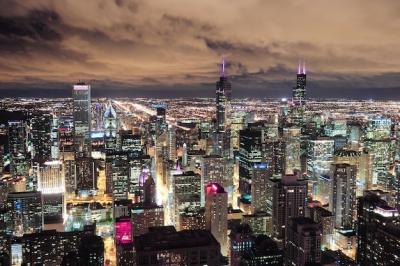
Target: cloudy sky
x,y
173,47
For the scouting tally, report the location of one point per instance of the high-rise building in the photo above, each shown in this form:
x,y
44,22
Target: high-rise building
x,y
325,218
166,246
303,244
111,127
319,159
377,141
50,247
260,223
82,113
39,136
17,135
85,174
213,170
145,216
240,240
186,193
250,153
223,100
378,233
217,214
171,143
289,201
363,162
344,195
25,209
299,91
292,142
259,188
192,218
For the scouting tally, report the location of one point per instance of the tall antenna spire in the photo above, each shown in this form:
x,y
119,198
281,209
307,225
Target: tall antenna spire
x,y
299,67
304,67
223,67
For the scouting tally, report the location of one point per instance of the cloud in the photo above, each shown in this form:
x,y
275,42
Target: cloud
x,y
171,44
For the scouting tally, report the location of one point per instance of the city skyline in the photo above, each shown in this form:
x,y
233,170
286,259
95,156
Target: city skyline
x,y
351,51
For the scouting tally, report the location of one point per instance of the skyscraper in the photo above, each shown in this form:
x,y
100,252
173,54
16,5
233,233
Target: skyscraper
x,y
25,209
111,127
344,195
289,201
82,116
378,233
217,214
17,134
259,188
299,91
303,244
223,100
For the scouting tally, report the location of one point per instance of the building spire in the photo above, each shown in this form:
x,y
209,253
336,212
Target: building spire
x,y
304,67
299,67
223,67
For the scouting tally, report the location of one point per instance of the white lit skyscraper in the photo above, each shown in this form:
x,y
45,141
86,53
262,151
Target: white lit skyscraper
x,y
82,116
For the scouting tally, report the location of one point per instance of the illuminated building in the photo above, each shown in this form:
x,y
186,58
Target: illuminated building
x,y
1,160
50,176
289,201
85,174
192,219
213,169
123,231
260,223
378,232
186,193
250,153
111,127
39,136
119,174
217,214
377,142
25,209
299,97
50,247
303,244
299,91
171,143
145,216
363,162
325,218
291,137
240,240
223,100
130,142
264,251
259,188
344,195
82,112
17,149
319,159
166,246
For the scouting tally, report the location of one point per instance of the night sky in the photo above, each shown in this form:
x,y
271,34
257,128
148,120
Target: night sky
x,y
173,48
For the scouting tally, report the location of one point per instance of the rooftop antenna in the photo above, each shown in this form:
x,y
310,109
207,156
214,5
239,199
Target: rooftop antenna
x,y
223,67
304,67
299,67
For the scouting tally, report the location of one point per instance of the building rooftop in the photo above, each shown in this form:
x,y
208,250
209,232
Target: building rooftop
x,y
167,238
